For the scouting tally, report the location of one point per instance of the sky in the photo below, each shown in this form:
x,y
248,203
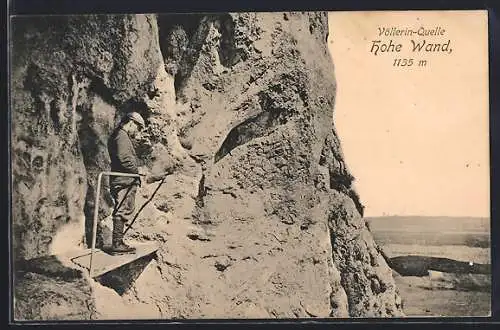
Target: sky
x,y
415,137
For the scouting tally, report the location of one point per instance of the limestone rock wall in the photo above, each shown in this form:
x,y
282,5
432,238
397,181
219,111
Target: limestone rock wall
x,y
259,218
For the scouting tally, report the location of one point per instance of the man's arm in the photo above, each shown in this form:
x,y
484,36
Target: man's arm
x,y
125,153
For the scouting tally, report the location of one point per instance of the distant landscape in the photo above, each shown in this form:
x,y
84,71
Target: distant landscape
x,y
441,264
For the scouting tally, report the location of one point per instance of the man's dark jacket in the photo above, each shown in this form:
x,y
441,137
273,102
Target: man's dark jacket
x,y
123,159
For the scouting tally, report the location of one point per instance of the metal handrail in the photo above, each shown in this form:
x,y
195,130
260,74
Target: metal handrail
x,y
96,209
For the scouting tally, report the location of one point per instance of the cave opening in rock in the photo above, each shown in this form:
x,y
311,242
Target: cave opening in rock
x,y
177,33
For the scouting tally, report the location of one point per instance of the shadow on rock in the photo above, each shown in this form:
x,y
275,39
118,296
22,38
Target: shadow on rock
x,y
49,266
121,279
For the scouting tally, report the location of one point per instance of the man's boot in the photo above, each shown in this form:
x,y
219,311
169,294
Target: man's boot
x,y
119,247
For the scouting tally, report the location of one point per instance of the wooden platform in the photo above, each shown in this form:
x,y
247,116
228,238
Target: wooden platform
x,y
103,262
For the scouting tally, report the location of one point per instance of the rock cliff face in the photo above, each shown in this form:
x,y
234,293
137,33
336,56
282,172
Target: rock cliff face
x,y
259,218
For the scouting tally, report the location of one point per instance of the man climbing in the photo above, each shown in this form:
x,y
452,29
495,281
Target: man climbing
x,y
123,189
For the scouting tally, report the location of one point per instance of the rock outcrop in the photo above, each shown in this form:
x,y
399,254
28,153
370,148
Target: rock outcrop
x,y
258,219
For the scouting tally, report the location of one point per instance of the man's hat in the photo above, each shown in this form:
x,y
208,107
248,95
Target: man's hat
x,y
137,118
